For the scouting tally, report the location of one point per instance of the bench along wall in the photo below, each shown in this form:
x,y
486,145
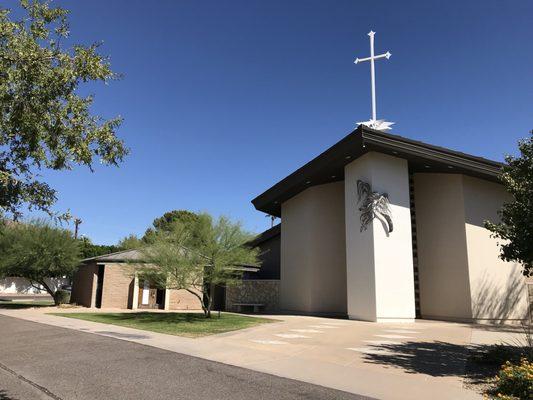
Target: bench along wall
x,y
254,292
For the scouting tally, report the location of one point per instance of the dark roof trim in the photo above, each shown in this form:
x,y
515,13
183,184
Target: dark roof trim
x,y
266,235
430,152
329,166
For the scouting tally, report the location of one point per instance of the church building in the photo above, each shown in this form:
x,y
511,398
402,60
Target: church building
x,y
381,228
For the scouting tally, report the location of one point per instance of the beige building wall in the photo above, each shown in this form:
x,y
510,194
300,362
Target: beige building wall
x,y
313,253
461,276
498,288
118,286
183,300
441,243
380,280
84,286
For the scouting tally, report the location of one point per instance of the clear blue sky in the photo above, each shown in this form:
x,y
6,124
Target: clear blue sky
x,y
221,99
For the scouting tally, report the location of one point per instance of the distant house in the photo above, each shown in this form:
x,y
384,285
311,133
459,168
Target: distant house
x,y
109,281
15,285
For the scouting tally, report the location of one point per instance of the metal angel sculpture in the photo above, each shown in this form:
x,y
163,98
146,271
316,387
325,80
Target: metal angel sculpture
x,y
374,205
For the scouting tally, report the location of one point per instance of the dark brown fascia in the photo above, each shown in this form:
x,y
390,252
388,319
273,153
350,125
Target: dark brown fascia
x,y
329,165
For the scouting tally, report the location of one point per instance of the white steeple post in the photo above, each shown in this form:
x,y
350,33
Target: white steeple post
x,y
372,74
374,122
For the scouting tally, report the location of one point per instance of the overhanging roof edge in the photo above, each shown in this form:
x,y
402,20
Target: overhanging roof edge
x,y
357,143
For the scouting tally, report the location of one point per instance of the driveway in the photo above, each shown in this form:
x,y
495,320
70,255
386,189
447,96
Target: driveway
x,y
45,362
380,360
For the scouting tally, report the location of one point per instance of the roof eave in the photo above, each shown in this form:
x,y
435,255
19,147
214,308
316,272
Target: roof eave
x,y
359,142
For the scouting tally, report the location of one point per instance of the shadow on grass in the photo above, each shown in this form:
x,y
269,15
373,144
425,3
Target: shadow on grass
x,y
475,363
18,305
155,317
175,323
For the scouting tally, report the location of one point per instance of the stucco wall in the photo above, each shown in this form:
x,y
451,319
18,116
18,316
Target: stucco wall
x,y
117,290
84,286
313,253
441,242
380,281
497,287
461,276
254,291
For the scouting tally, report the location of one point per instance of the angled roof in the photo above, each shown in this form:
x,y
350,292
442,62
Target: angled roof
x,y
119,256
136,255
329,166
266,235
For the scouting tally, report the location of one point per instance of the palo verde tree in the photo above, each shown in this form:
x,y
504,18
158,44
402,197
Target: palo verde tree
x,y
44,120
197,255
515,228
39,252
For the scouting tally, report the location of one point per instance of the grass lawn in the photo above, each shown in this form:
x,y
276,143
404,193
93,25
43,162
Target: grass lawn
x,y
176,323
19,304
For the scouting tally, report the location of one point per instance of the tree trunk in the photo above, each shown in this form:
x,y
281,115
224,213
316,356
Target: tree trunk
x,y
204,308
208,305
210,298
47,288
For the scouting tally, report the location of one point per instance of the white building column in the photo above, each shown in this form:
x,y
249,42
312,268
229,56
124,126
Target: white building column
x,y
380,281
167,299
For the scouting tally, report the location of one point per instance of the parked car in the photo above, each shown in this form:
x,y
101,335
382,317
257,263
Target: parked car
x,y
68,288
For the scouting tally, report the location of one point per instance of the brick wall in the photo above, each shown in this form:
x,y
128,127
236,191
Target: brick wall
x,y
84,285
183,300
254,291
117,290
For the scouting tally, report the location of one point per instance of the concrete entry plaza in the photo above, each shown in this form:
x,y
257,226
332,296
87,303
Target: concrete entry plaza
x,y
385,360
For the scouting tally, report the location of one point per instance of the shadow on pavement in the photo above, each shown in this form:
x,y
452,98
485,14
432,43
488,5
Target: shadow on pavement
x,y
475,363
5,395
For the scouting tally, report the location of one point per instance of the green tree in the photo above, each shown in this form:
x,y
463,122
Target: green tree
x,y
515,228
88,249
165,222
39,252
44,120
129,242
197,255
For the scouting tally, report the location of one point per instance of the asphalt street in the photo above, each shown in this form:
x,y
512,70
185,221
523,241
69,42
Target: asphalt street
x,y
39,361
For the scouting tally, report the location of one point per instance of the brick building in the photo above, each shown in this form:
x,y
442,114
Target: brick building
x,y
109,281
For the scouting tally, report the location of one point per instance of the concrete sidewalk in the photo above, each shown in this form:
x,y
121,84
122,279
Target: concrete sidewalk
x,y
385,360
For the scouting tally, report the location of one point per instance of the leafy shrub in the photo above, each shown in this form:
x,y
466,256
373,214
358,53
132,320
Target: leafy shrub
x,y
61,297
515,381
